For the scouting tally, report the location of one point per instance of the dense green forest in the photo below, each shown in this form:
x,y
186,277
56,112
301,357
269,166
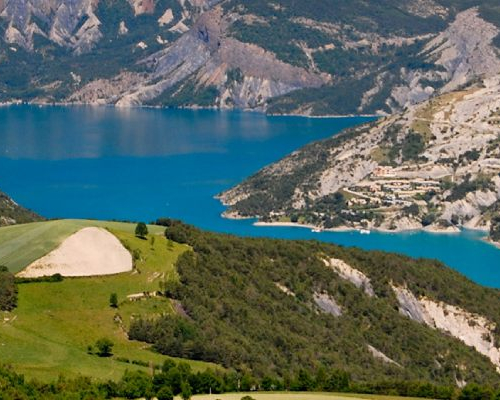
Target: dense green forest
x,y
235,314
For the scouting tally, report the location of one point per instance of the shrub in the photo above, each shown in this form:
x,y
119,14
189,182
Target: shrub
x,y
104,347
141,230
113,300
165,393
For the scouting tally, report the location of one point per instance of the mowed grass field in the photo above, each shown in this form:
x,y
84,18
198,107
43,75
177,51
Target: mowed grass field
x,y
48,334
20,245
295,396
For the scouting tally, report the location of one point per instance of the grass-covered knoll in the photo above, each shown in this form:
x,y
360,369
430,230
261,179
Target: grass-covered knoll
x,y
20,245
49,332
240,315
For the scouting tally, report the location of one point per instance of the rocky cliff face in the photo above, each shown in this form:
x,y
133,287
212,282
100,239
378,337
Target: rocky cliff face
x,y
472,329
435,167
71,24
304,59
244,75
465,50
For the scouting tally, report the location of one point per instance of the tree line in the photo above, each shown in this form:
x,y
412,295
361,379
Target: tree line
x,y
177,379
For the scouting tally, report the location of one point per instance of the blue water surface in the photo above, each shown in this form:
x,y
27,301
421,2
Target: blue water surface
x,y
140,164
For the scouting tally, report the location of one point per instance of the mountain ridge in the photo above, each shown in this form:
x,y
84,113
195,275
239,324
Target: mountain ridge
x,y
207,53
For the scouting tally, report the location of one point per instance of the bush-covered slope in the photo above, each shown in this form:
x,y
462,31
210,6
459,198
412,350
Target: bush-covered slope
x,y
272,307
12,213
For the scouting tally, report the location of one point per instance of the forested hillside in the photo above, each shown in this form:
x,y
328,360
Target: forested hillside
x,y
274,308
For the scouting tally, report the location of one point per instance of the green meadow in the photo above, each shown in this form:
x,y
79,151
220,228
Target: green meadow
x,y
49,333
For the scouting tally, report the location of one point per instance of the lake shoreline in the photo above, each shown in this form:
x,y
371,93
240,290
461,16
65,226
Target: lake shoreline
x,y
435,230
194,108
141,164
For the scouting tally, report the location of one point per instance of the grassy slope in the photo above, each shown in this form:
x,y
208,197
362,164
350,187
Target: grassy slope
x,y
49,332
20,245
294,396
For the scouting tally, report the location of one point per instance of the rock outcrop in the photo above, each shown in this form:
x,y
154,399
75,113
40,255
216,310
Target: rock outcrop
x,y
472,329
69,24
356,277
465,50
381,356
245,75
327,304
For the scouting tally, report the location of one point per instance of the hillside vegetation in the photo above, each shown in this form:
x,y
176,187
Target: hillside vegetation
x,y
261,313
274,308
173,379
12,213
55,322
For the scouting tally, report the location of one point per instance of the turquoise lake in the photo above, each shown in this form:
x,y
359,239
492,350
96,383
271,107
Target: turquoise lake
x,y
140,164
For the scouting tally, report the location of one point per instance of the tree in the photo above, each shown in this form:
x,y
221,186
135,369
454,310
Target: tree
x,y
135,384
141,230
303,382
165,393
495,228
104,347
475,392
113,300
186,391
8,290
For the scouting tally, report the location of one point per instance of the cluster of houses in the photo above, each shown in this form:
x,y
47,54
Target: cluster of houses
x,y
385,188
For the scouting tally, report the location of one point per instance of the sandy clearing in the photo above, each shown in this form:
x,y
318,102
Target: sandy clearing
x,y
88,252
